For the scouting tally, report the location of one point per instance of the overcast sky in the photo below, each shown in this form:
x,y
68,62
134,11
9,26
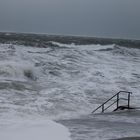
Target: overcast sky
x,y
101,18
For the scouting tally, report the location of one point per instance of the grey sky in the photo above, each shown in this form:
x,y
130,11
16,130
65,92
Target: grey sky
x,y
105,18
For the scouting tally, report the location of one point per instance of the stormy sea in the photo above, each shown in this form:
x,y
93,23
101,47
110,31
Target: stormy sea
x,y
49,85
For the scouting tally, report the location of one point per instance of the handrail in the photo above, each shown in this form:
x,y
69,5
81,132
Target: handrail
x,y
117,100
110,105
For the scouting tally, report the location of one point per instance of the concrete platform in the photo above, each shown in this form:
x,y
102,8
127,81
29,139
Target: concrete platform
x,y
119,125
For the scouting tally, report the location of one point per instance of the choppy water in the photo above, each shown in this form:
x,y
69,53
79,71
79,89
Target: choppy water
x,y
64,81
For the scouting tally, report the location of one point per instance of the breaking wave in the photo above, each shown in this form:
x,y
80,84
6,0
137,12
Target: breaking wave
x,y
64,82
83,47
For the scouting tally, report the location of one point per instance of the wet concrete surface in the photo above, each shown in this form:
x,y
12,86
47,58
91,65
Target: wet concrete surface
x,y
124,125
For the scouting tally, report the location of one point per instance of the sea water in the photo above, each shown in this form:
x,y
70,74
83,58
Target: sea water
x,y
45,90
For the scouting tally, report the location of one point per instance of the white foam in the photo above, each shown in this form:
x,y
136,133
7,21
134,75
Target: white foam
x,y
97,73
71,82
15,69
34,130
84,47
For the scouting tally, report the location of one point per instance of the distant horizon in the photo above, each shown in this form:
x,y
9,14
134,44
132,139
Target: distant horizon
x,y
101,18
74,35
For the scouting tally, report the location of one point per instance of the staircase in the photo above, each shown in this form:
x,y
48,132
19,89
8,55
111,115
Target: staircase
x,y
117,98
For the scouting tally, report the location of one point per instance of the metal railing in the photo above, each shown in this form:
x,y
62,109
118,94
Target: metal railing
x,y
117,96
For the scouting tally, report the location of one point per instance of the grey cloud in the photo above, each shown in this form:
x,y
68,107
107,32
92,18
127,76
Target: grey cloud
x,y
106,18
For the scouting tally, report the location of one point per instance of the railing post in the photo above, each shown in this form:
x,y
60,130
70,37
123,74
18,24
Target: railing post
x,y
117,100
102,108
128,100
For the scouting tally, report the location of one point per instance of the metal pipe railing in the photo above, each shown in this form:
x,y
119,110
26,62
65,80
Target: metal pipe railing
x,y
117,100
